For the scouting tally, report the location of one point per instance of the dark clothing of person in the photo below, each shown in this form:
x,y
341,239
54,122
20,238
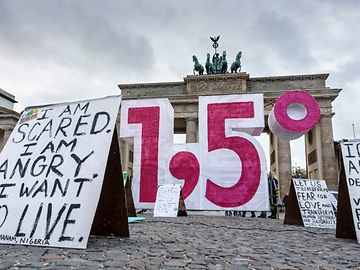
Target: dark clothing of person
x,y
244,214
273,196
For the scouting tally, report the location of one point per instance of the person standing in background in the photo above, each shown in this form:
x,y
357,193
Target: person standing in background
x,y
273,195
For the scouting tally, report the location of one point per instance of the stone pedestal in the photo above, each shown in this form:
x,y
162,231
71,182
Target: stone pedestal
x,y
216,84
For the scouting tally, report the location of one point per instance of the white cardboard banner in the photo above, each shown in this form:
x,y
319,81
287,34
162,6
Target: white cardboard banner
x,y
314,203
167,200
238,173
51,172
227,171
152,135
351,156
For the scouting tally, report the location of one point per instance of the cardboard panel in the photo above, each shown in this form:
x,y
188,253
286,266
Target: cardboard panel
x,y
293,214
111,214
129,198
344,219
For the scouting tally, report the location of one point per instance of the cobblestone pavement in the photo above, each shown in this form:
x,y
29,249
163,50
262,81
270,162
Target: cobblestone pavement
x,y
197,242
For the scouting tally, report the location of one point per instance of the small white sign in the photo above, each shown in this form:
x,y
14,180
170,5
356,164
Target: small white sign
x,y
167,200
351,156
51,172
314,203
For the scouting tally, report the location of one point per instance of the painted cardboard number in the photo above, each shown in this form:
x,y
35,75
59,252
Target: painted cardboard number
x,y
185,165
227,168
249,180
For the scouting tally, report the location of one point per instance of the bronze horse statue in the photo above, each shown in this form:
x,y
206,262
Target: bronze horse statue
x,y
208,65
237,64
197,66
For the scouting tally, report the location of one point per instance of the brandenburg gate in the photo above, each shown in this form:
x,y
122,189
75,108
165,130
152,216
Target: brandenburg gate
x,y
319,144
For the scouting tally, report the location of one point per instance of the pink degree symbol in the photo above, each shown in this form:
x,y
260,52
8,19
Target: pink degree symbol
x,y
297,125
185,166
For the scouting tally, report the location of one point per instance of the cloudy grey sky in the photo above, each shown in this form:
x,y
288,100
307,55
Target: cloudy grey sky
x,y
52,51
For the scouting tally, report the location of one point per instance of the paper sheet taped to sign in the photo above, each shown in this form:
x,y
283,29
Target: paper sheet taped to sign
x,y
167,200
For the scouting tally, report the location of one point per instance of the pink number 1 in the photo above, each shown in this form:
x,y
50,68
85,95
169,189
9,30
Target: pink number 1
x,y
148,117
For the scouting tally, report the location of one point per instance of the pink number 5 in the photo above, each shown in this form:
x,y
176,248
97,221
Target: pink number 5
x,y
246,186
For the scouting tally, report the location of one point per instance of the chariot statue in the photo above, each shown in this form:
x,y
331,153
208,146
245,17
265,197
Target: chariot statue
x,y
218,63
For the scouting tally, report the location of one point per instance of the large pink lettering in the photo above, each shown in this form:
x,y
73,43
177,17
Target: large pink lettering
x,y
227,168
185,166
148,117
148,125
294,113
247,185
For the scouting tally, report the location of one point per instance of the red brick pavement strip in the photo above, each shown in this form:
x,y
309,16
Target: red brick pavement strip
x,y
197,242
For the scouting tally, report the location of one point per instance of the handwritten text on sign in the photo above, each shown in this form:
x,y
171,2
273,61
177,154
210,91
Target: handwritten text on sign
x,y
225,170
167,201
351,156
314,202
51,172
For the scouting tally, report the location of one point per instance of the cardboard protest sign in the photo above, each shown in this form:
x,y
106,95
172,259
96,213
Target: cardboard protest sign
x,y
348,214
313,207
167,200
52,170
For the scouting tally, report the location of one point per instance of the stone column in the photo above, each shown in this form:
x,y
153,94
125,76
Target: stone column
x,y
191,130
329,166
5,136
284,165
314,153
273,154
